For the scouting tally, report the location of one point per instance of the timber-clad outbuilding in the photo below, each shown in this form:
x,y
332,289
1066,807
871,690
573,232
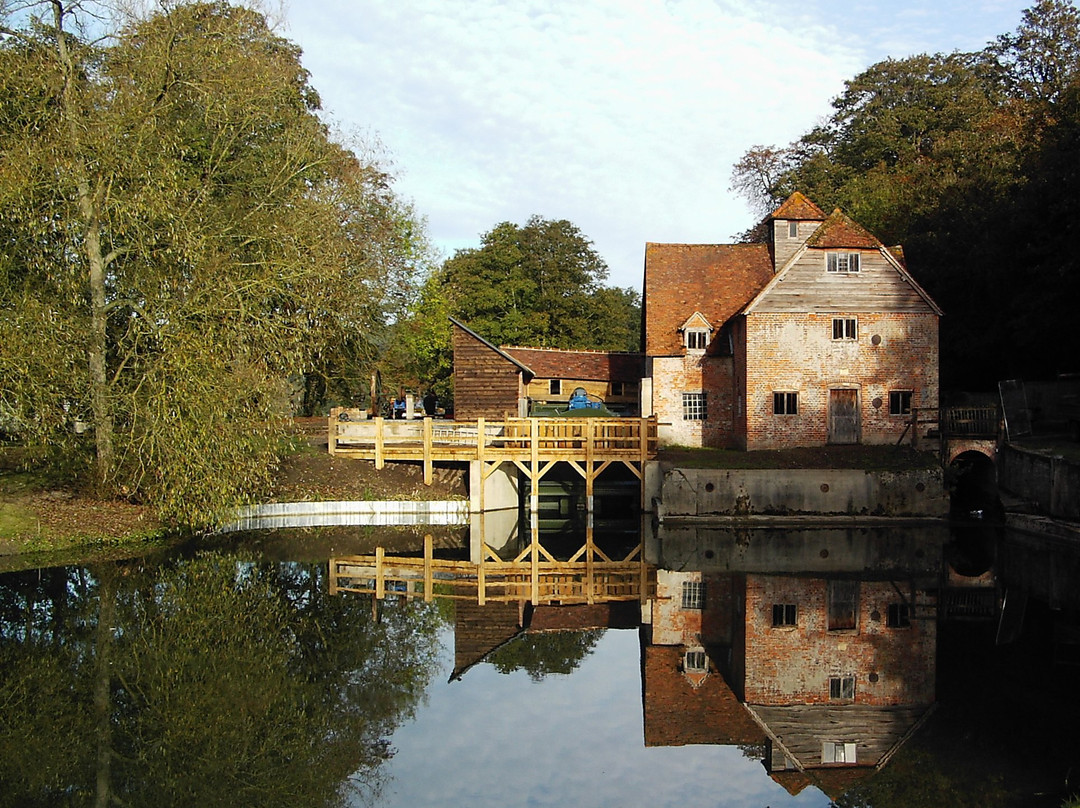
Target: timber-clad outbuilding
x,y
496,382
819,335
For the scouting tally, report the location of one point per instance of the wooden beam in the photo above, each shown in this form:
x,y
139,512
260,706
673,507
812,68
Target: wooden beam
x,y
429,581
380,459
427,450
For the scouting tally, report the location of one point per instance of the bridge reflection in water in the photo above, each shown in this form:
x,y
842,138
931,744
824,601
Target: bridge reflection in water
x,y
816,646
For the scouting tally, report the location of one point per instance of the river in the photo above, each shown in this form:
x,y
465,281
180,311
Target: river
x,y
863,666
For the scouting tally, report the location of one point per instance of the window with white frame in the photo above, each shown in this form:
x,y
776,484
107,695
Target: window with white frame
x,y
785,403
693,594
697,339
841,688
842,262
833,752
693,407
845,328
694,661
899,402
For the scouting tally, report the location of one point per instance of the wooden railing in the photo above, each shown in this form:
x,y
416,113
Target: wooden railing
x,y
518,439
973,422
533,576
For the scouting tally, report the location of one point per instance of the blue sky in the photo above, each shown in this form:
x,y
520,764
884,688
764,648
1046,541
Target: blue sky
x,y
493,739
623,116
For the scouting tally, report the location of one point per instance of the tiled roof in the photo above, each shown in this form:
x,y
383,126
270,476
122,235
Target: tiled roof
x,y
839,230
798,207
714,279
552,363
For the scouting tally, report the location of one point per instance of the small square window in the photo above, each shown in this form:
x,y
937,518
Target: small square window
x,y
784,614
616,388
832,752
843,263
899,402
785,403
693,595
555,387
697,339
695,661
899,615
841,688
693,407
845,328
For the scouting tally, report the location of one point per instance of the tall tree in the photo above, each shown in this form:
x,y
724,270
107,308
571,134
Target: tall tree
x,y
943,154
182,238
539,284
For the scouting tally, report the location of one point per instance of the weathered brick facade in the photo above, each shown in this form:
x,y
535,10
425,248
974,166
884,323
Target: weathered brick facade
x,y
793,664
826,316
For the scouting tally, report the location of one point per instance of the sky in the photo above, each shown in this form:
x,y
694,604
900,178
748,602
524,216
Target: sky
x,y
493,739
624,117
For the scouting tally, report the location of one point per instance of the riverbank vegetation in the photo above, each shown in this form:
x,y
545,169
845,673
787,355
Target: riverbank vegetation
x,y
191,255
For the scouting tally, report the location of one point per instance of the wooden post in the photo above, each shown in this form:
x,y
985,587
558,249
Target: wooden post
x,y
534,463
481,429
590,560
590,451
534,558
331,429
333,577
429,550
380,582
427,451
380,461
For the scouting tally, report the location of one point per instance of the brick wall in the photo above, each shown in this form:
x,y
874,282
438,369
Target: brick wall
x,y
794,352
694,373
792,665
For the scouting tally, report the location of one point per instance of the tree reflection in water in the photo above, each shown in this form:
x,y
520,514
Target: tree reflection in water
x,y
210,681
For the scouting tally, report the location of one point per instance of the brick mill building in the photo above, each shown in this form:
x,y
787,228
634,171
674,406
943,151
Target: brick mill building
x,y
820,335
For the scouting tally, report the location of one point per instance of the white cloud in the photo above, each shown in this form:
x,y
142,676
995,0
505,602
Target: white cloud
x,y
623,116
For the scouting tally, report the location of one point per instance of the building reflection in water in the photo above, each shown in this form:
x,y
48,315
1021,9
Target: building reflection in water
x,y
817,644
813,648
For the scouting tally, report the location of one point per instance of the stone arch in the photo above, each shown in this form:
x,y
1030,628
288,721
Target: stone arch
x,y
972,478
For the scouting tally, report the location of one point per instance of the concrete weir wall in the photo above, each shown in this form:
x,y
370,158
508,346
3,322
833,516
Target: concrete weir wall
x,y
1053,483
746,492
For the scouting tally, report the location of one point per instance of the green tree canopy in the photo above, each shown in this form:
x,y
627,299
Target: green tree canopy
x,y
182,240
538,285
950,155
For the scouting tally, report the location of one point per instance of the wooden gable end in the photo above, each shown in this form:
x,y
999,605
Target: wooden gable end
x,y
487,383
880,285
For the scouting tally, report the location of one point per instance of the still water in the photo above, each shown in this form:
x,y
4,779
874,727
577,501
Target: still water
x,y
916,666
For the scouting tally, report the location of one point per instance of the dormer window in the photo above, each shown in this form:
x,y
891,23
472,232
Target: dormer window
x,y
697,339
843,263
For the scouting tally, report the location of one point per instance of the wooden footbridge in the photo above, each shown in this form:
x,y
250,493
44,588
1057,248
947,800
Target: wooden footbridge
x,y
532,576
533,445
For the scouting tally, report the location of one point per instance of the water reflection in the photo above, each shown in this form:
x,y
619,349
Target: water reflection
x,y
856,666
203,681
